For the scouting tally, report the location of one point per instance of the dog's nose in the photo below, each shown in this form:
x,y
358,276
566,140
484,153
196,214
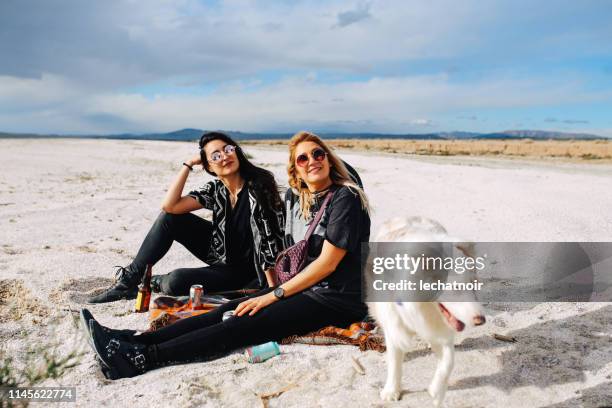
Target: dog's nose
x,y
479,320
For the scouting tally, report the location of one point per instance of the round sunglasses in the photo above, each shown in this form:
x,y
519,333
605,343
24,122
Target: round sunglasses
x,y
317,154
217,156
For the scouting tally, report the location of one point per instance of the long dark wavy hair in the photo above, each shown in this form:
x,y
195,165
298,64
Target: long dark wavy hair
x,y
260,181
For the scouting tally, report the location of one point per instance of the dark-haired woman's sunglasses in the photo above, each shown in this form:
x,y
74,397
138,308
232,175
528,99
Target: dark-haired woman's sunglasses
x,y
317,154
217,156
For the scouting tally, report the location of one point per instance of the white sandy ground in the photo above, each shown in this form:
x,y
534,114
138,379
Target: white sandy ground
x,y
71,209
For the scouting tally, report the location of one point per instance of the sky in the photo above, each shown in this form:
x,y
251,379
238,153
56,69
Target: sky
x,y
125,66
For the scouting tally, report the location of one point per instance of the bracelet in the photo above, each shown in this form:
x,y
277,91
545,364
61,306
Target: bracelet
x,y
188,166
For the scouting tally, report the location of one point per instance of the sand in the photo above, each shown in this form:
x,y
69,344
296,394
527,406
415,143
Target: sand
x,y
71,209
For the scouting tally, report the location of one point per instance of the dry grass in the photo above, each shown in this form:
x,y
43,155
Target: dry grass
x,y
566,149
16,301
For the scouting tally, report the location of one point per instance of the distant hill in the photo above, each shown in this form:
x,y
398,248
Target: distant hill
x,y
194,134
542,134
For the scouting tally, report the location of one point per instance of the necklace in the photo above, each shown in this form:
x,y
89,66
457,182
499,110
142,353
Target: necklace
x,y
234,197
321,192
317,198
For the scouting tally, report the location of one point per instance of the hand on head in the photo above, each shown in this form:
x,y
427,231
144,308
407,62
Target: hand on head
x,y
195,160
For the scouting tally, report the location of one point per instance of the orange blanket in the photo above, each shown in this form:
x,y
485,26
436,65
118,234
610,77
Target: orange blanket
x,y
166,310
359,334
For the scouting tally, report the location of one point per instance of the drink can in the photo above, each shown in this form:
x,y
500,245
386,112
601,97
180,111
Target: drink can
x,y
258,354
195,296
227,315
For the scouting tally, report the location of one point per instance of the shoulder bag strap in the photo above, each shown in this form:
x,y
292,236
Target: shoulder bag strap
x,y
317,218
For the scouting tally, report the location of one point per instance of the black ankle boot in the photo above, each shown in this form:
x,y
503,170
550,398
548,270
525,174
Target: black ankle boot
x,y
125,287
86,316
120,358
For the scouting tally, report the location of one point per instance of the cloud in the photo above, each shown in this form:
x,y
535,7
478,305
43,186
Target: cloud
x,y
381,104
360,13
48,91
294,102
120,43
566,121
68,66
421,122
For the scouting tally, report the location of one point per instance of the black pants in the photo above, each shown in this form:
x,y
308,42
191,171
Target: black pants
x,y
194,233
206,336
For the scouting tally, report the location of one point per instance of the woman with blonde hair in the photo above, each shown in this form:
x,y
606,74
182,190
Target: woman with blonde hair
x,y
314,171
327,291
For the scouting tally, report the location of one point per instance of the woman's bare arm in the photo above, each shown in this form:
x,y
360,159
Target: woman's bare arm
x,y
317,270
174,203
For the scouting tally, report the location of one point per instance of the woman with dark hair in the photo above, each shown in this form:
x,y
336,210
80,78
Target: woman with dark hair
x,y
239,245
327,291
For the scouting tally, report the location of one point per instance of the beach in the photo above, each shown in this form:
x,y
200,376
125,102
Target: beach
x,y
71,209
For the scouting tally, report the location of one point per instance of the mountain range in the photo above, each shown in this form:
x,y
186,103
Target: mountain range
x,y
194,134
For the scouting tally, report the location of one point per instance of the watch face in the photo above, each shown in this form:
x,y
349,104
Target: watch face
x,y
279,292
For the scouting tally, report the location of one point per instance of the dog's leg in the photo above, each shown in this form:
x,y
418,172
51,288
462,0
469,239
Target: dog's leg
x,y
445,355
395,356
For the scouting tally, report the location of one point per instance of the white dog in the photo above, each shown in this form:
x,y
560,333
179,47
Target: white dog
x,y
434,322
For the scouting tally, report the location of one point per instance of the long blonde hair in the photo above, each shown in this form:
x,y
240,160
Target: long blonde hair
x,y
337,172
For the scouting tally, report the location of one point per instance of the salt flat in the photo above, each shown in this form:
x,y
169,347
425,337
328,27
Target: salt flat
x,y
71,209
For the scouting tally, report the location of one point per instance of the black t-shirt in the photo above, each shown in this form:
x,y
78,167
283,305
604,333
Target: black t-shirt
x,y
239,237
345,224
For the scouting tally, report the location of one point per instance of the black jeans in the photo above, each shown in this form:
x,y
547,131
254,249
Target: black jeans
x,y
194,233
206,336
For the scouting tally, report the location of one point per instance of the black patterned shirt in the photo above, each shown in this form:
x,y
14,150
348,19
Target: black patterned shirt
x,y
267,231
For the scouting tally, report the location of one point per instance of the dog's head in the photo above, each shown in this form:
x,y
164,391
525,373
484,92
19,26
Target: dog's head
x,y
457,314
460,314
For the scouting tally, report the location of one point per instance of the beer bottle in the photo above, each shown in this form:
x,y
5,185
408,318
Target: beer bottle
x,y
144,291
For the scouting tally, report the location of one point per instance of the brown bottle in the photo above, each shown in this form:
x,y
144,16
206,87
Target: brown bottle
x,y
144,292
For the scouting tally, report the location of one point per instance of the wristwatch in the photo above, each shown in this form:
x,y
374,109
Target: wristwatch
x,y
279,293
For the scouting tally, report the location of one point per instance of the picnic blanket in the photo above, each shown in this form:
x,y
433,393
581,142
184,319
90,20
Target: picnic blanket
x,y
361,334
166,310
